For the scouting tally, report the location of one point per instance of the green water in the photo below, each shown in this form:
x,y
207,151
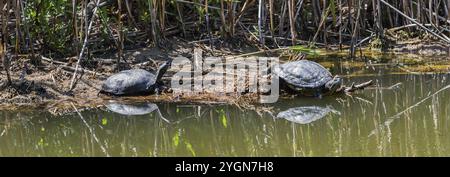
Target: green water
x,y
410,119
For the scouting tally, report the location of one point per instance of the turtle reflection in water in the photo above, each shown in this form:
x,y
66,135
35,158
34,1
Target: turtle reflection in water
x,y
306,114
135,109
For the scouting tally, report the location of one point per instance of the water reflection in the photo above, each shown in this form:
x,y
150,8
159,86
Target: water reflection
x,y
135,109
411,120
306,114
132,109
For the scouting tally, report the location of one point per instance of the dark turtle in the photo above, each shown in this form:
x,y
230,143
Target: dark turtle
x,y
306,114
134,81
308,78
134,109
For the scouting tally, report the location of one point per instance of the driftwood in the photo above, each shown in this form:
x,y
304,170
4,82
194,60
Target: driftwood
x,y
354,87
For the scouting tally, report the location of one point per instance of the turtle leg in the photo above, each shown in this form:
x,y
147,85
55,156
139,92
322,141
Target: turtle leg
x,y
157,90
161,89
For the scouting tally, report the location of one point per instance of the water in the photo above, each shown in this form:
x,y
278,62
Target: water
x,y
407,115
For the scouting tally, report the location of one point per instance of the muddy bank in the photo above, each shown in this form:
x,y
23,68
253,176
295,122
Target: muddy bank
x,y
46,85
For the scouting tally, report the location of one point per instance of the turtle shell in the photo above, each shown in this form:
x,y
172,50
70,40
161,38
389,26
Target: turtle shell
x,y
303,75
129,82
306,114
135,109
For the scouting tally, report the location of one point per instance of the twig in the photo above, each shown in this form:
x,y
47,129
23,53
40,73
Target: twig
x,y
364,100
438,16
397,116
395,85
355,31
260,21
256,37
208,28
258,52
365,39
90,130
361,86
127,4
62,64
197,4
407,70
203,40
414,21
291,7
405,26
84,45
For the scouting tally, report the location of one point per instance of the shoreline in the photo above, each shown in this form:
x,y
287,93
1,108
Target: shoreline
x,y
46,85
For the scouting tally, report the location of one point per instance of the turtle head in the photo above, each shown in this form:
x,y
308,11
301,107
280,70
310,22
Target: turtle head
x,y
334,84
162,69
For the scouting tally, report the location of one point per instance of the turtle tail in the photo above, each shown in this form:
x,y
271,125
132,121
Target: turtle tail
x,y
162,70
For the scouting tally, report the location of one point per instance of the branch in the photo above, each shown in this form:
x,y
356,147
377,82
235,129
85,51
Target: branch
x,y
361,86
397,116
91,130
64,65
414,21
84,45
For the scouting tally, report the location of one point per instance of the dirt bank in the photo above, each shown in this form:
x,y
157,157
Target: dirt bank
x,y
47,85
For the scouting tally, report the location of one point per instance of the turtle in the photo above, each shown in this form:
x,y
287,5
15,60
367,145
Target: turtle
x,y
308,78
306,114
132,109
135,109
135,81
